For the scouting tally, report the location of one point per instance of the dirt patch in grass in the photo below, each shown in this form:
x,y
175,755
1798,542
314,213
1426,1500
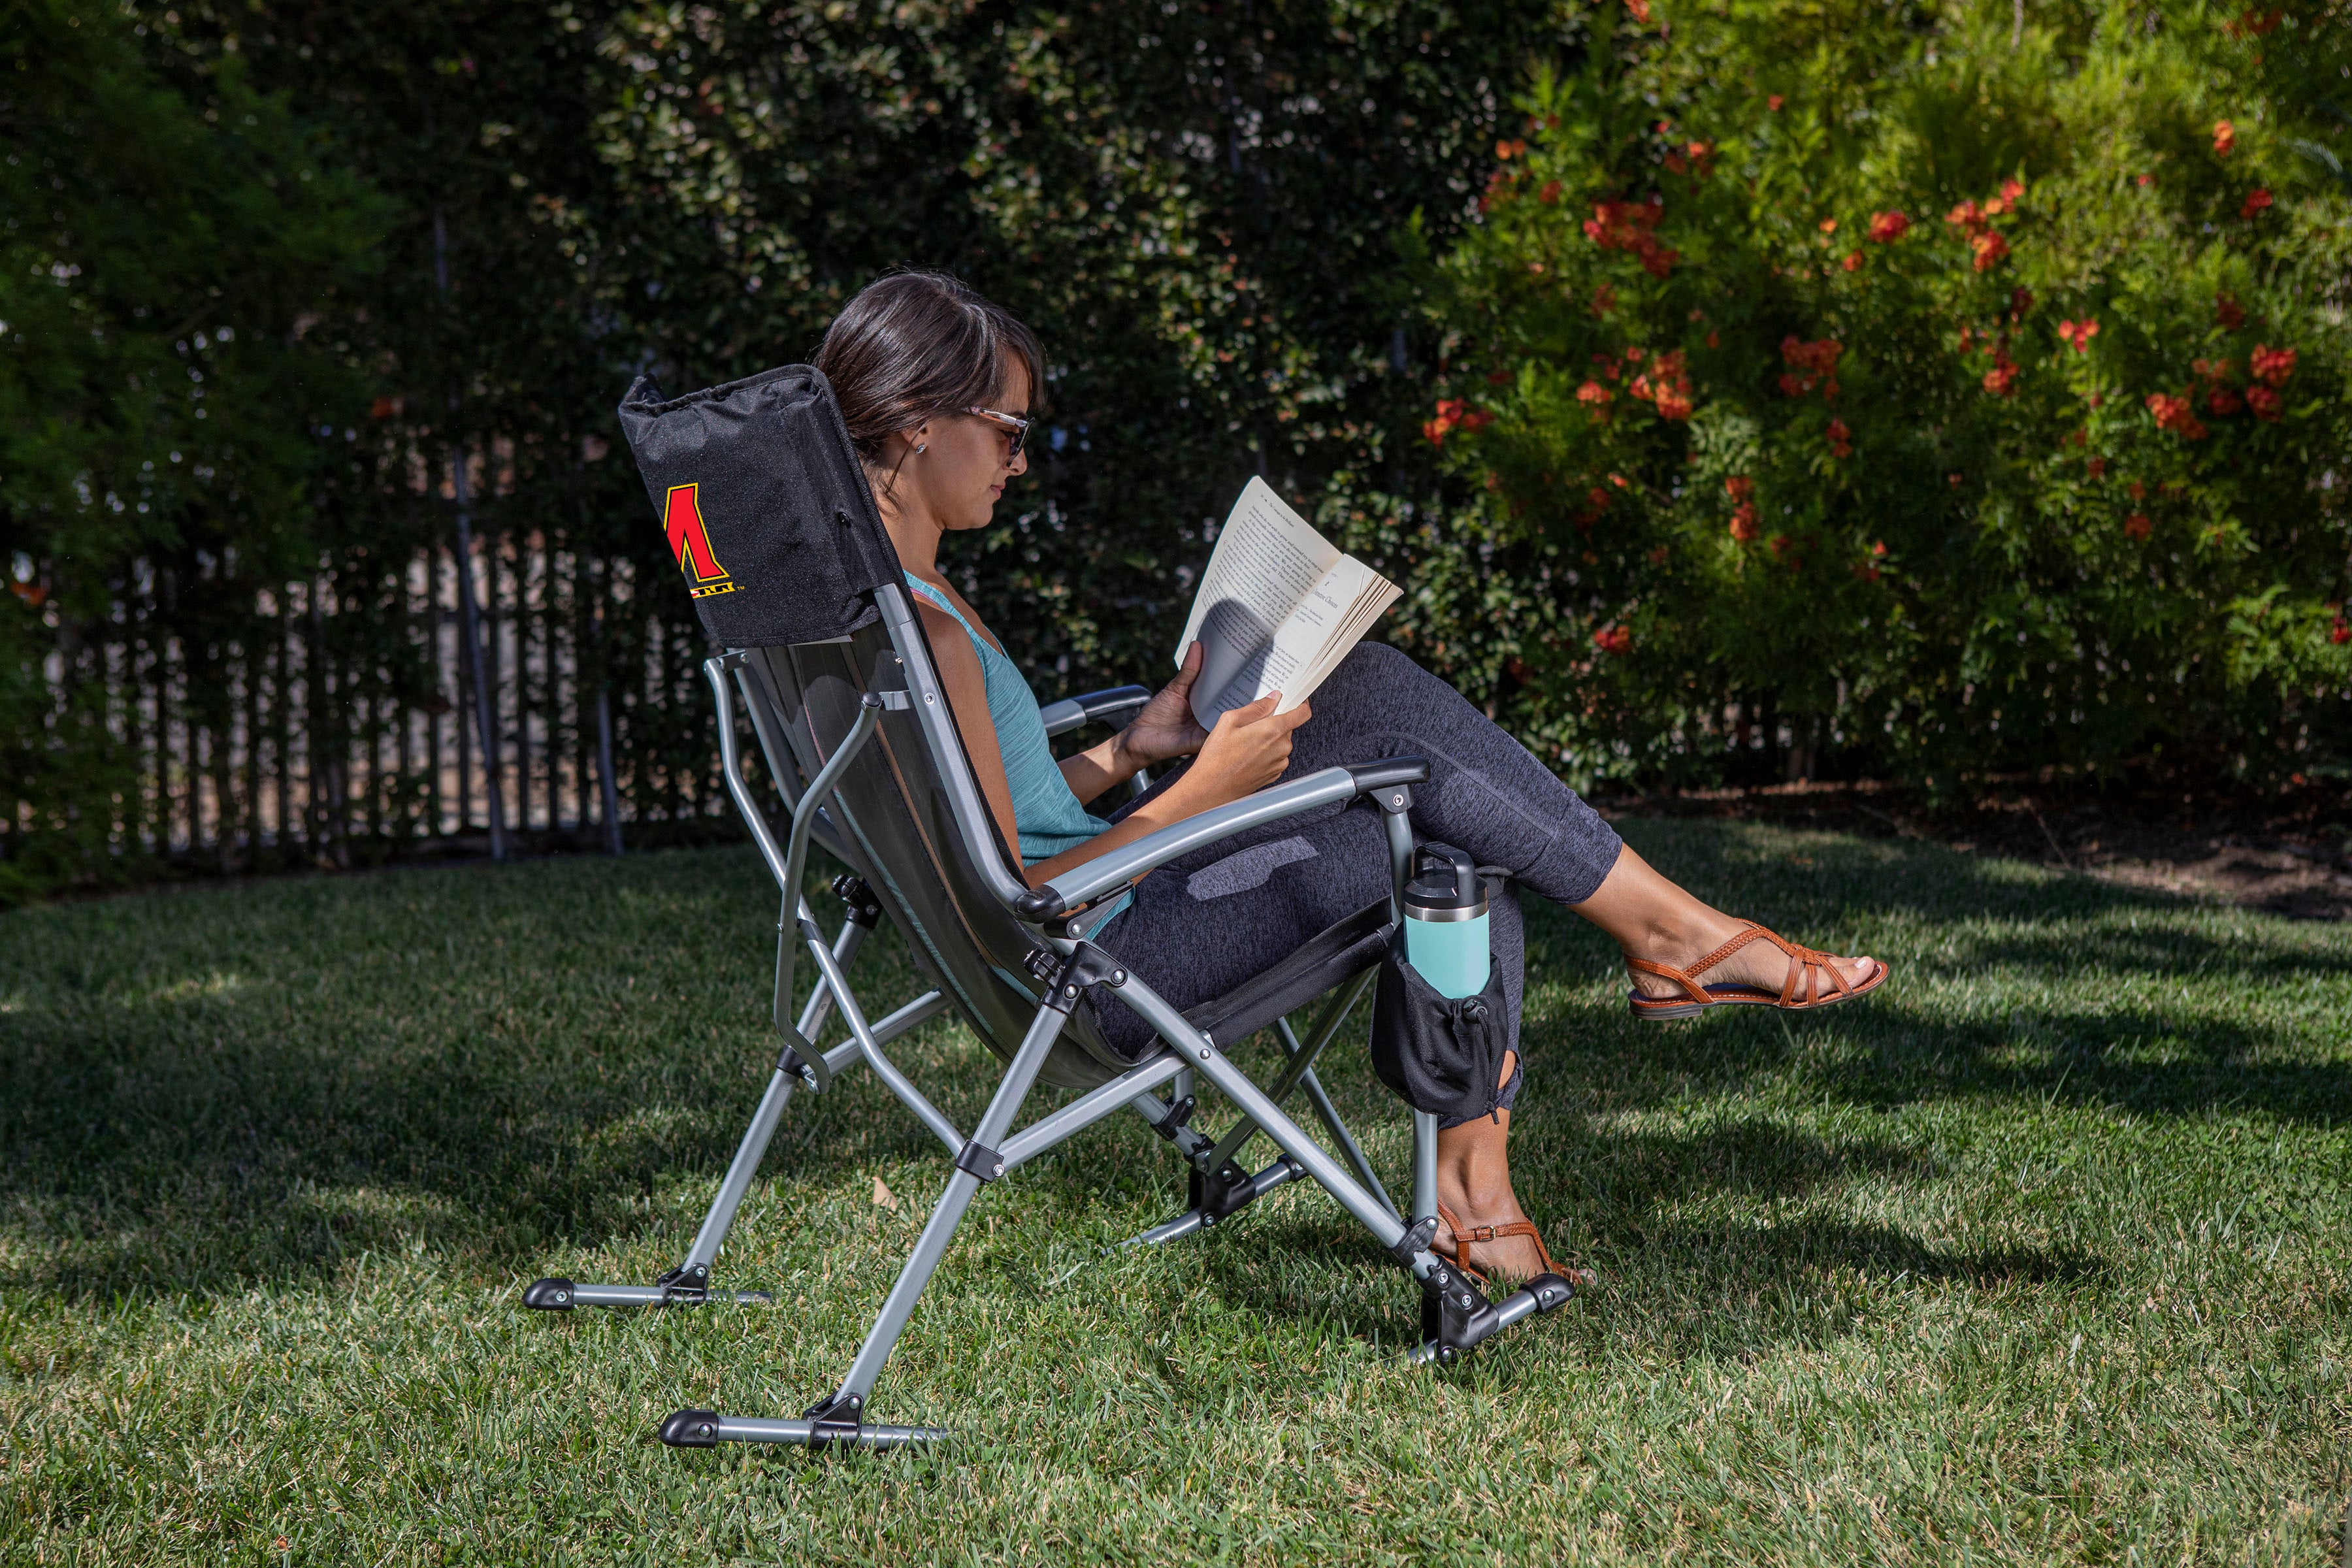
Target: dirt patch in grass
x,y
2289,857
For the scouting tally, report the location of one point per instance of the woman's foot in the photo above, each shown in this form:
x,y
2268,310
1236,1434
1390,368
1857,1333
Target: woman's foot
x,y
1658,922
1761,963
1514,1257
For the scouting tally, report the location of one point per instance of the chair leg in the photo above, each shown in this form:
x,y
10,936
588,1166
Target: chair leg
x,y
689,1283
839,1418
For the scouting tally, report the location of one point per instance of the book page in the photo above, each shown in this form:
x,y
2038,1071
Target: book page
x,y
1268,562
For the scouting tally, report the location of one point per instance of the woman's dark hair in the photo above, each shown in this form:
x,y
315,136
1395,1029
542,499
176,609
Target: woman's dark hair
x,y
916,344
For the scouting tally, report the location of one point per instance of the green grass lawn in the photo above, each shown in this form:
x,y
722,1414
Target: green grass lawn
x,y
2041,1255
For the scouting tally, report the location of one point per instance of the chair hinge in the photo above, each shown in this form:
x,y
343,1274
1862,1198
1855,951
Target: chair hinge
x,y
810,1069
835,1418
865,909
978,1158
1087,965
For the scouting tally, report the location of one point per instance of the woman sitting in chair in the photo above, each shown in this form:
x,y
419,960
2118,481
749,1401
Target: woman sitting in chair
x,y
934,383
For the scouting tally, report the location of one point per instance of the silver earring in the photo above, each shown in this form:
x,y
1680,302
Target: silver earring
x,y
922,446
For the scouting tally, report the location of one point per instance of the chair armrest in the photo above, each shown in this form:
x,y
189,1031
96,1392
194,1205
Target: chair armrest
x,y
1089,707
1083,884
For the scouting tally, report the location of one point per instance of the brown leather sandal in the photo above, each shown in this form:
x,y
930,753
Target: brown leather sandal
x,y
1802,989
1582,1279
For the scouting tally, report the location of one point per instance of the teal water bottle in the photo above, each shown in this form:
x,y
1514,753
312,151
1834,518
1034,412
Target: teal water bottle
x,y
1445,922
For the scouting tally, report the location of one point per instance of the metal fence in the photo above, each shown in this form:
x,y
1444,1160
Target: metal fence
x,y
337,718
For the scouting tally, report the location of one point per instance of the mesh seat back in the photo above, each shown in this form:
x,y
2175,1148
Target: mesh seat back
x,y
896,820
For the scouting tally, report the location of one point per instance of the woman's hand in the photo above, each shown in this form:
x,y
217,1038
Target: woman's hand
x,y
1246,752
1164,727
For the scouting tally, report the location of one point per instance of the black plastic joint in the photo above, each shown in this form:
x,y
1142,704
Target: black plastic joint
x,y
548,1295
834,1419
1223,1192
691,1430
1415,1240
1087,965
684,1285
1455,1313
865,909
791,1064
1038,904
1173,1122
1390,777
980,1160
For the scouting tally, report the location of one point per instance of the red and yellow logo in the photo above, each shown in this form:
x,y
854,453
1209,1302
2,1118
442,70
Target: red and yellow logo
x,y
690,540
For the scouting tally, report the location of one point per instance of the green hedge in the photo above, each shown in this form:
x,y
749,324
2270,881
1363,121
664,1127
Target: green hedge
x,y
1255,238
1938,391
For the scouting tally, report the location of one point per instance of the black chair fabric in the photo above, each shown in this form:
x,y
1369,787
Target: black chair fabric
x,y
765,506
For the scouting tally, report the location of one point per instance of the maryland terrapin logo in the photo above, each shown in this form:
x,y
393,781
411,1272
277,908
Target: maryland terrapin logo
x,y
690,540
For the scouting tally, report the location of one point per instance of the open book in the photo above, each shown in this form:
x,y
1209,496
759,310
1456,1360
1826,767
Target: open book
x,y
1277,610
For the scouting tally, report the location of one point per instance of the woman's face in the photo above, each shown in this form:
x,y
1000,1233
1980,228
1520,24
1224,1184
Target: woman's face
x,y
963,468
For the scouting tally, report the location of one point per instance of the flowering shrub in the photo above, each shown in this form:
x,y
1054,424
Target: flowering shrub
x,y
1969,398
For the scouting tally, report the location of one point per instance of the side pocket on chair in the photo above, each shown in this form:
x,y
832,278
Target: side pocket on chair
x,y
1438,1054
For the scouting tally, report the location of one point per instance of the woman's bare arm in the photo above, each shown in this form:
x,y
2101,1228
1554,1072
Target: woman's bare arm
x,y
1246,752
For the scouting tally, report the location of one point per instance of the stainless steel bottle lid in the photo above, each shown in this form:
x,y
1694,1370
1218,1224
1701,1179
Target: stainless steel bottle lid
x,y
1445,886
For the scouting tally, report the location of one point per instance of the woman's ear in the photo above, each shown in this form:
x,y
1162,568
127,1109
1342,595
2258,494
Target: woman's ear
x,y
922,437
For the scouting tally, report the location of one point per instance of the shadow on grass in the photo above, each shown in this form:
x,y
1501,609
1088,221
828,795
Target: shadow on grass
x,y
257,1085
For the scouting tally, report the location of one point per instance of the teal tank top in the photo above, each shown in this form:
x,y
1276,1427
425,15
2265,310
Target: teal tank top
x,y
1048,816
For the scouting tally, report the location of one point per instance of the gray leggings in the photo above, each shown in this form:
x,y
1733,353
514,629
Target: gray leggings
x,y
1201,925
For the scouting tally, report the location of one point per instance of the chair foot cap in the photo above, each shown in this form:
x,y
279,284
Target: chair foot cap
x,y
691,1430
550,1295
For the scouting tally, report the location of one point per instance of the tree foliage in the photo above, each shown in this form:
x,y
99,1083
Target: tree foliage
x,y
1955,388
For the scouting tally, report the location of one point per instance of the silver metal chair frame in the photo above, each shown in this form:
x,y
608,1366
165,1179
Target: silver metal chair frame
x,y
832,773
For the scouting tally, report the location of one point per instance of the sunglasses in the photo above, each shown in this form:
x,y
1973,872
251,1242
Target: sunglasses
x,y
1016,428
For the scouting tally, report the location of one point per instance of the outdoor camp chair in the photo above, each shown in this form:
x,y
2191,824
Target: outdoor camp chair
x,y
858,739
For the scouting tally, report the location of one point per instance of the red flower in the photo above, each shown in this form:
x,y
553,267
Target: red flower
x,y
1743,521
2136,489
2341,632
1598,499
1595,396
2228,312
1549,194
2146,180
1852,263
1626,225
1839,439
1615,639
1509,148
2256,200
1476,419
1989,249
2001,379
1888,227
1641,10
1829,226
1968,215
2173,414
2010,190
2079,334
2265,403
2098,467
2222,403
2138,526
1774,102
1739,487
1818,359
2273,365
2225,138
1450,412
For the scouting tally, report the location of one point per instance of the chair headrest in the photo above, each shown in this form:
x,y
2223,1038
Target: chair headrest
x,y
765,506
